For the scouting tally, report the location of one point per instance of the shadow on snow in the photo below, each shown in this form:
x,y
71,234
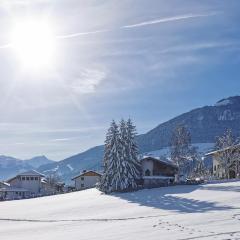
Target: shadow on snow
x,y
163,198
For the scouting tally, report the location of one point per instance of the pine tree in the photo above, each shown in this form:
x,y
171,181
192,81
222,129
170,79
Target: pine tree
x,y
111,159
121,165
132,150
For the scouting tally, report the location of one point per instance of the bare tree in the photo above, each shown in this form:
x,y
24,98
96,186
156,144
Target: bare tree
x,y
52,181
228,155
200,170
181,150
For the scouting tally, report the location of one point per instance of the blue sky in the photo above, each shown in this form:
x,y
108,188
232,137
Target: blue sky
x,y
150,60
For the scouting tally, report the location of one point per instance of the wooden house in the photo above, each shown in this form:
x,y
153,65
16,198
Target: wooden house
x,y
157,171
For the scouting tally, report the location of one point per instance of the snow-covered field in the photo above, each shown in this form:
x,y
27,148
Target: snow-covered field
x,y
209,211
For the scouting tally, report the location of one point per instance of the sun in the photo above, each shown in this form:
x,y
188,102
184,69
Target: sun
x,y
33,43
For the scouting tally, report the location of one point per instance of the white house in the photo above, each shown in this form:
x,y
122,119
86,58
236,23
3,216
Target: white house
x,y
157,171
23,185
218,170
30,180
87,179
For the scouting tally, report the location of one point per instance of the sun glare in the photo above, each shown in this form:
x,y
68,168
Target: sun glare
x,y
33,43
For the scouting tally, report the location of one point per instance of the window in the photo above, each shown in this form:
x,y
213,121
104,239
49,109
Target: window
x,y
23,178
27,178
82,178
82,185
36,178
32,178
147,172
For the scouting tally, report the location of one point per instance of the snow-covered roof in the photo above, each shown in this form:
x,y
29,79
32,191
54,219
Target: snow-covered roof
x,y
43,180
222,150
159,159
5,184
27,173
31,173
85,172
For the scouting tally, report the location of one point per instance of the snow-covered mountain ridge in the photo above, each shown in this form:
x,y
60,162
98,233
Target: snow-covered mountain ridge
x,y
10,166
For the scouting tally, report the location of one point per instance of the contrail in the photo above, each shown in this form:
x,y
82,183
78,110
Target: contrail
x,y
141,24
136,25
82,34
168,19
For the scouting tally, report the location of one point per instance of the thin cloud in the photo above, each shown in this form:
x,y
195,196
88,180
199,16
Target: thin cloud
x,y
136,25
169,19
141,24
61,139
73,35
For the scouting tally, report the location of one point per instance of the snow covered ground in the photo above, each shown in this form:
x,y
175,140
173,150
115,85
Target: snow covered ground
x,y
210,211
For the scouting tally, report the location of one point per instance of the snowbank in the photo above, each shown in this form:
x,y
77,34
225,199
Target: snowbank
x,y
208,211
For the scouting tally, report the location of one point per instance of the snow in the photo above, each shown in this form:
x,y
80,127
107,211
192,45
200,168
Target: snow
x,y
208,211
223,102
226,115
70,167
201,148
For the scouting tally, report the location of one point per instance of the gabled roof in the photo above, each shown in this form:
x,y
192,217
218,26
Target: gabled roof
x,y
27,173
158,159
222,150
31,173
86,172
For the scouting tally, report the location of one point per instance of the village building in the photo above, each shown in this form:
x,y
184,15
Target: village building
x,y
217,169
4,184
157,171
23,185
30,180
87,179
28,184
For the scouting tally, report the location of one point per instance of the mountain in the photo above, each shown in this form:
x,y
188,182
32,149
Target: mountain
x,y
69,167
38,161
204,124
10,166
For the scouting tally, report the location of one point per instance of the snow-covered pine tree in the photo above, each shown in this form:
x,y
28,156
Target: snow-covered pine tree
x,y
129,155
121,165
133,149
111,160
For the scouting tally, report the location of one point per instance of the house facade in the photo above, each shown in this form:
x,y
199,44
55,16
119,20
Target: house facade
x,y
87,179
217,169
157,171
24,185
30,180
